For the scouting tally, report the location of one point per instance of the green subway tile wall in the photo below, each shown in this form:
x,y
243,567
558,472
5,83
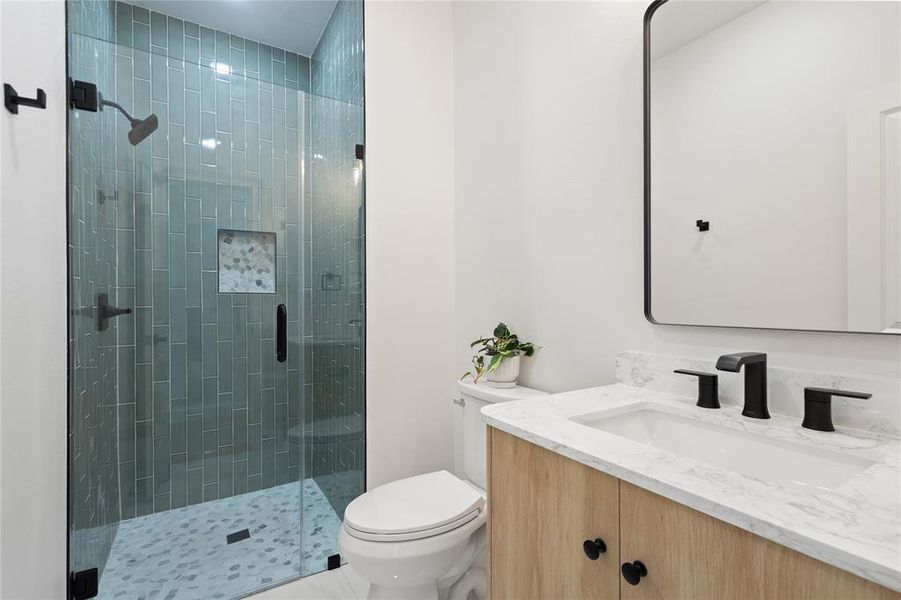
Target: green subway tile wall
x,y
214,413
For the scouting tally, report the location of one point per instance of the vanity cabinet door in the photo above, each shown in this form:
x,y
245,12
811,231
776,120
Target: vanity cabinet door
x,y
689,555
543,507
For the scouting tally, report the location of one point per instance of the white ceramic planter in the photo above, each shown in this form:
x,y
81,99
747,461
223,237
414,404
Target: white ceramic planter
x,y
505,375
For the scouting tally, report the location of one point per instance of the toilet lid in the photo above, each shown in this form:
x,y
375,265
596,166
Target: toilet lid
x,y
425,504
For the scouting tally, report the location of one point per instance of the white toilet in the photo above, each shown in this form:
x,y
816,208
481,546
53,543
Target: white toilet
x,y
423,537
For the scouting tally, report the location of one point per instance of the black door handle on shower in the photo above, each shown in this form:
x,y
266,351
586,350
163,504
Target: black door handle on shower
x,y
281,335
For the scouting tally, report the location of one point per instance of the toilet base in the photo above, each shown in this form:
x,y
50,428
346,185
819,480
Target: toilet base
x,y
474,583
414,592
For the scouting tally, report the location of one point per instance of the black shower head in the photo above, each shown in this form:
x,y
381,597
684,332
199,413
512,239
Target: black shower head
x,y
140,128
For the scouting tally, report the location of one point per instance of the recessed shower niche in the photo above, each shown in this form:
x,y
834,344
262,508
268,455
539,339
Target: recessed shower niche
x,y
189,422
246,262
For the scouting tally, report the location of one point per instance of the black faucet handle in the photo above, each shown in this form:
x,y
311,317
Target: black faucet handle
x,y
818,394
818,406
708,387
701,375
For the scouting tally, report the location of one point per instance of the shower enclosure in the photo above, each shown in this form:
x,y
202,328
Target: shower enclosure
x,y
216,302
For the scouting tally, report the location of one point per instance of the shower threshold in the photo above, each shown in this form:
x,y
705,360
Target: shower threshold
x,y
184,553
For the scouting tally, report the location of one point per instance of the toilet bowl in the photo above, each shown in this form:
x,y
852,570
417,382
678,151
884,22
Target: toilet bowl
x,y
424,537
413,538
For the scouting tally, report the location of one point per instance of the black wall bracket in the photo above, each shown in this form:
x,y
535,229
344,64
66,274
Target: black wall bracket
x,y
702,225
13,100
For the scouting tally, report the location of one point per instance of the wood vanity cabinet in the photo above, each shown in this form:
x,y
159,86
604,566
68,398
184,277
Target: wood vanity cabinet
x,y
543,507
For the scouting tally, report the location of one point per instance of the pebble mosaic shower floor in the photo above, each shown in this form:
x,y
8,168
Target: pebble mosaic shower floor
x,y
183,554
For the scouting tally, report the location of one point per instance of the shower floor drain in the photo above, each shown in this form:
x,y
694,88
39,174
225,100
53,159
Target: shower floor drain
x,y
237,536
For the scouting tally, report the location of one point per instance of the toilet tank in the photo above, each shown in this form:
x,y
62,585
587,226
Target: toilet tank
x,y
474,432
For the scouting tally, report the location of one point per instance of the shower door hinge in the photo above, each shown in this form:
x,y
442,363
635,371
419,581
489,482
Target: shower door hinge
x,y
83,585
360,151
83,96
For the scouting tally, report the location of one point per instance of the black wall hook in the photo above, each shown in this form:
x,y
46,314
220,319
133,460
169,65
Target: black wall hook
x,y
702,225
12,100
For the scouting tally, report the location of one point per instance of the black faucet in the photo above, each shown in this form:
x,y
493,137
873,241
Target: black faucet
x,y
818,406
755,380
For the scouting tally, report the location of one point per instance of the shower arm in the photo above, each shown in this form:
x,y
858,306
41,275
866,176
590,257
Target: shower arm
x,y
117,106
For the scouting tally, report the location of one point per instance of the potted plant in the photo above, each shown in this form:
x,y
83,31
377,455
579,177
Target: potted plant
x,y
498,357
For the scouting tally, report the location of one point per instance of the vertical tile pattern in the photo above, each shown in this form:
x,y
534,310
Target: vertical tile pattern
x,y
334,286
211,415
95,216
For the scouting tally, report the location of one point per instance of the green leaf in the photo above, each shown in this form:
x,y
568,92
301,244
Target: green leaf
x,y
496,361
501,331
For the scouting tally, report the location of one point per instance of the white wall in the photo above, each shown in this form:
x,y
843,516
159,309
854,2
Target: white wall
x,y
409,238
526,207
548,185
750,131
33,306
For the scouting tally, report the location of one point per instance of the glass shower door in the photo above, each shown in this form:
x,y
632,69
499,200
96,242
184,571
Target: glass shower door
x,y
191,218
217,424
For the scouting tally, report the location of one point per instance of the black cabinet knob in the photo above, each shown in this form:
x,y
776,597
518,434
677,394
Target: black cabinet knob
x,y
634,571
594,548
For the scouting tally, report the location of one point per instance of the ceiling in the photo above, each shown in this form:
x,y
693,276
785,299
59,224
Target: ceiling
x,y
679,22
295,26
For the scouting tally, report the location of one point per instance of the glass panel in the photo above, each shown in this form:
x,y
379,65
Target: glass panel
x,y
201,465
201,438
334,333
93,373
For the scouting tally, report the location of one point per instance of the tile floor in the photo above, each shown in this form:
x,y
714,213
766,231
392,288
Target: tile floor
x,y
340,584
182,554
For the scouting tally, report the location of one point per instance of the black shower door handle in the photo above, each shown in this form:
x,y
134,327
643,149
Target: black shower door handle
x,y
281,335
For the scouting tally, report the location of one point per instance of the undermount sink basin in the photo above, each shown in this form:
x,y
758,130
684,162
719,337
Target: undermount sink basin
x,y
777,461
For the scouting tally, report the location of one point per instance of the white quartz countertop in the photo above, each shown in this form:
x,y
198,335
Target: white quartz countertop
x,y
855,527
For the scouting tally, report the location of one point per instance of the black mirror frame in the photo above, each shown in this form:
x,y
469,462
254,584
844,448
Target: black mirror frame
x,y
646,64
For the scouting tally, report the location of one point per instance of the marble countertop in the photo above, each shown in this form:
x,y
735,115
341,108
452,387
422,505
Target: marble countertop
x,y
855,527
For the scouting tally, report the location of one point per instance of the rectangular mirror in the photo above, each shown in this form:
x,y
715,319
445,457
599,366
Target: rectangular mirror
x,y
773,164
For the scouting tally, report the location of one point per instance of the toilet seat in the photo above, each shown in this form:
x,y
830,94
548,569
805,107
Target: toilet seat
x,y
413,508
